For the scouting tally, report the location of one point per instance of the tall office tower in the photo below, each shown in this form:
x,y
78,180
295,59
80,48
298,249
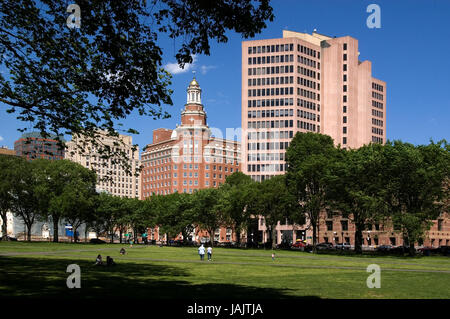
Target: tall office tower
x,y
306,83
34,145
120,183
188,158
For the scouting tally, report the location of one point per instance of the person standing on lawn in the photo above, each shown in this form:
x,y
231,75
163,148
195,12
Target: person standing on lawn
x,y
201,252
209,253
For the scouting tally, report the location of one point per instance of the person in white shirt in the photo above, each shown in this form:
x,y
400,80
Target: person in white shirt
x,y
201,252
209,253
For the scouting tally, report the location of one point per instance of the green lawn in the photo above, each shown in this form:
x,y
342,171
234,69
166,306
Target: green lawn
x,y
39,270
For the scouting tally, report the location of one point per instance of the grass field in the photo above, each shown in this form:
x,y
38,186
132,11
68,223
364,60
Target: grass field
x,y
39,270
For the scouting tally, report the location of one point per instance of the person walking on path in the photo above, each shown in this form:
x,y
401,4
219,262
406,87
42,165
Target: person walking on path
x,y
209,253
201,252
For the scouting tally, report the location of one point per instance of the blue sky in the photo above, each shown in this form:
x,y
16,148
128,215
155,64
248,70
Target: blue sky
x,y
411,52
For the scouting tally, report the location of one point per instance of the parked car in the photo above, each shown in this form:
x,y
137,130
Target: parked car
x,y
384,248
399,250
427,251
343,246
324,246
228,244
97,241
9,238
299,244
445,250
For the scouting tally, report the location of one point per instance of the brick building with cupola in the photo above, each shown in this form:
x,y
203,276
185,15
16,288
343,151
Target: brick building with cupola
x,y
188,158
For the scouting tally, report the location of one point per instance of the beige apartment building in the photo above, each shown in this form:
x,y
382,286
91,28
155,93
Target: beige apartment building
x,y
306,83
120,183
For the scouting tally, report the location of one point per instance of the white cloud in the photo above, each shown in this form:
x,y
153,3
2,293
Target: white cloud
x,y
174,68
205,68
1,138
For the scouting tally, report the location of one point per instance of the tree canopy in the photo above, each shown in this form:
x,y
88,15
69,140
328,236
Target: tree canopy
x,y
310,157
78,80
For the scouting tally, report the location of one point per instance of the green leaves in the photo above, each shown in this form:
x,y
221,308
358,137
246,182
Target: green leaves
x,y
415,184
310,158
79,81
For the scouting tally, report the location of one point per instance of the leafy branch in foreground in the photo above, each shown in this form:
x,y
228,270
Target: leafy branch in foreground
x,y
80,81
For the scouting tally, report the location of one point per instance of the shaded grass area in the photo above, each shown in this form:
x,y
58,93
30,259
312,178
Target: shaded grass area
x,y
174,272
46,277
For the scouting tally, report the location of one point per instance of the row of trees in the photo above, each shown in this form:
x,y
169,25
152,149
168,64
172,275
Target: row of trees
x,y
396,184
46,190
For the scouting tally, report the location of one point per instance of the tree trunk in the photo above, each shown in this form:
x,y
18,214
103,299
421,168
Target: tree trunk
x,y
211,237
4,225
29,233
55,229
135,235
120,235
274,236
412,250
358,239
314,227
75,232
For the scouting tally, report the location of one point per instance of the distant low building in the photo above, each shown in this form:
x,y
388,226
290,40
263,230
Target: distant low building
x,y
33,146
120,183
4,150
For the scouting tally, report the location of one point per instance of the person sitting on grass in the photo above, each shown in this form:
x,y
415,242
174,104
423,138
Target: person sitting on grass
x,y
110,261
98,261
122,251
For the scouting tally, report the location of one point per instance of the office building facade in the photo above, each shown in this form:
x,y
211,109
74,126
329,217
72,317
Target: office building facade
x,y
33,146
111,177
306,83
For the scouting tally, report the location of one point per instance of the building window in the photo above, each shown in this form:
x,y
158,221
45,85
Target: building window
x,y
228,234
329,225
217,235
